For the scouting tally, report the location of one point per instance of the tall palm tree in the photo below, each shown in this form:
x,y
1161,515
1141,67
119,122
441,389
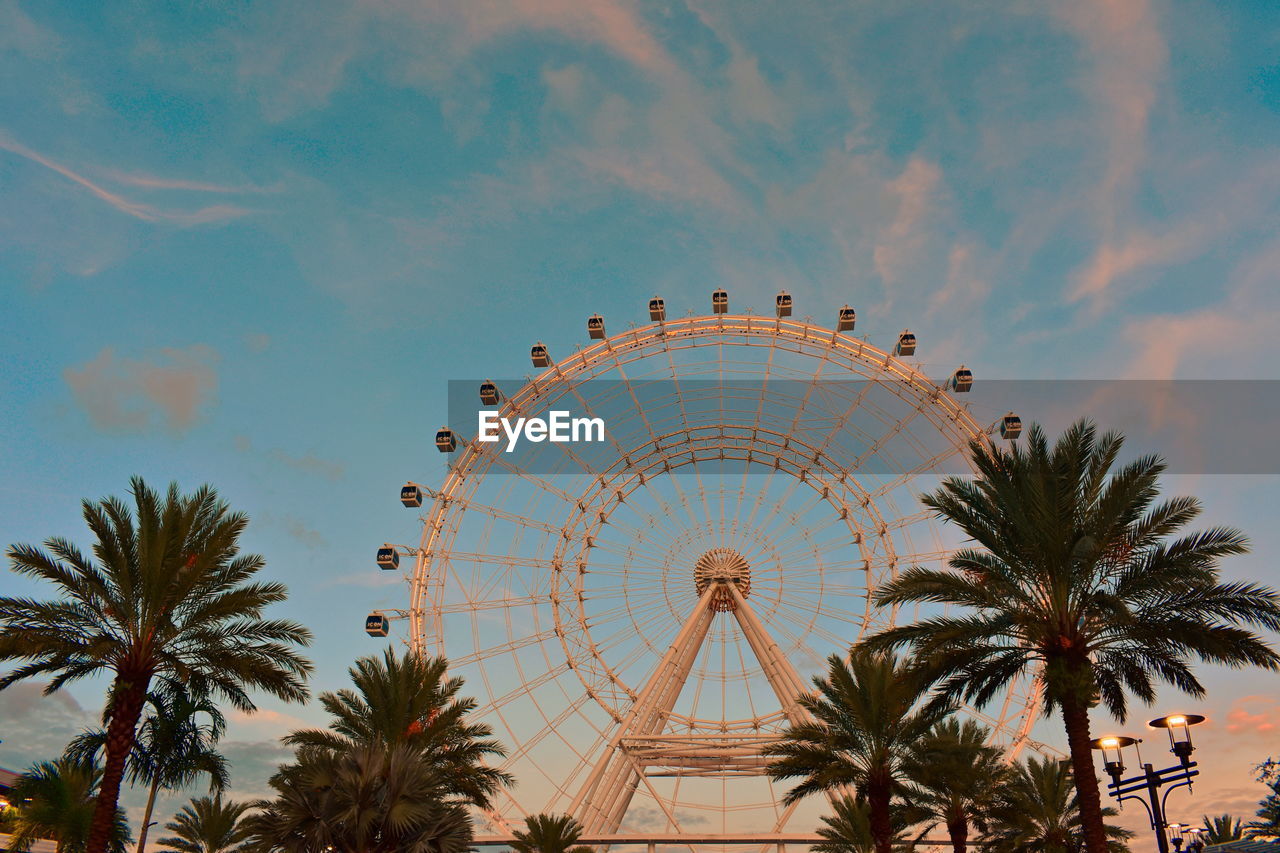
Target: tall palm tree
x,y
549,833
410,700
166,594
1038,812
849,829
369,799
56,800
1222,828
954,778
209,825
1074,578
172,748
866,716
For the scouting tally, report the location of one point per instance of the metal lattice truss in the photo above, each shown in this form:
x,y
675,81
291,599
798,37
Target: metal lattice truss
x,y
640,623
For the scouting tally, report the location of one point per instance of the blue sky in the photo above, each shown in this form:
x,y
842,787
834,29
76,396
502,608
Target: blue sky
x,y
250,243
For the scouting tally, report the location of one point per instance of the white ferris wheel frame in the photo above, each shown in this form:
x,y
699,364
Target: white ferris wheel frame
x,y
638,742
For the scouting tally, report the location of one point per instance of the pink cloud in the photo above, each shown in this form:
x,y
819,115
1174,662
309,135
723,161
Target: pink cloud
x,y
156,182
606,22
121,394
1224,338
138,210
911,194
1264,716
675,174
1129,56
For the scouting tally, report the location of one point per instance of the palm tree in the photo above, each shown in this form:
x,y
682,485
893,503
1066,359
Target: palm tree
x,y
208,825
1222,828
57,801
1038,812
370,799
954,779
409,700
547,833
849,829
1268,814
166,595
866,716
1073,578
171,750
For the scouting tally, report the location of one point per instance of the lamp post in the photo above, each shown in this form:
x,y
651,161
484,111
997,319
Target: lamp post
x,y
1150,780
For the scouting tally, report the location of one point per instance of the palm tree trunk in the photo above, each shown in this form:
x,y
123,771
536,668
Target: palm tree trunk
x,y
878,797
958,830
1076,717
125,712
146,816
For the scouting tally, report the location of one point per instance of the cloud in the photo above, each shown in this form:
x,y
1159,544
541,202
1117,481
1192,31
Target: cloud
x,y
18,32
257,342
608,23
137,210
1258,714
156,182
36,727
911,194
121,394
310,463
297,529
1235,336
1129,55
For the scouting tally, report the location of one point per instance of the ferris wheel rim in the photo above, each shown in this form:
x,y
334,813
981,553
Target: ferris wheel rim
x,y
803,338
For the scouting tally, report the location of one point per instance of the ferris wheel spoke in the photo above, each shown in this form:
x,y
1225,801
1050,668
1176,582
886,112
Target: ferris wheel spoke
x,y
684,417
481,605
505,648
926,466
525,689
552,726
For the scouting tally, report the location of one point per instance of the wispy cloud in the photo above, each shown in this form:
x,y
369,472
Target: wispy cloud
x,y
126,394
158,182
138,210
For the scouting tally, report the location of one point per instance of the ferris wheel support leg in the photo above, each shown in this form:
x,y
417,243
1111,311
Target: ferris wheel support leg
x,y
782,677
604,798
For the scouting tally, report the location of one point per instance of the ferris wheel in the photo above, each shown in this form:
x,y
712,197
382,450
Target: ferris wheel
x,y
637,614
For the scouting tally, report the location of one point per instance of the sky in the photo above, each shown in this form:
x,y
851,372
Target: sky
x,y
249,244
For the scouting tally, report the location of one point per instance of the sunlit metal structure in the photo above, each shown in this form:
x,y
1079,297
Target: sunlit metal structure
x,y
637,625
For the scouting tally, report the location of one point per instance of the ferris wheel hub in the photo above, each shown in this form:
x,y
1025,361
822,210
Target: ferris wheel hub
x,y
722,566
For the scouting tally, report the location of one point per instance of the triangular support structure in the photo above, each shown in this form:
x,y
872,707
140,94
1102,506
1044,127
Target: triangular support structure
x,y
640,739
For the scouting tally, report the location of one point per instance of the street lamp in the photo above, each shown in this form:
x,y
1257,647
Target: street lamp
x,y
1151,780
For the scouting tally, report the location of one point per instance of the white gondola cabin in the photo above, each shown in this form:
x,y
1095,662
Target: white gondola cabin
x,y
595,327
906,344
657,309
539,356
1010,426
388,558
961,380
720,301
446,441
847,320
410,495
488,393
784,304
377,625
